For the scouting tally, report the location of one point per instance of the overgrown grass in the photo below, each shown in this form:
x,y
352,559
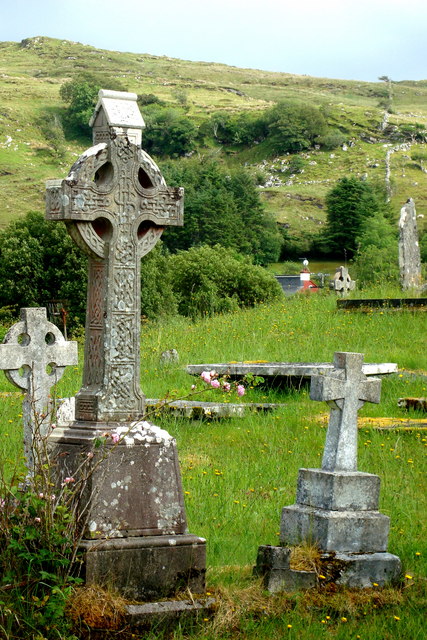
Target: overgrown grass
x,y
239,473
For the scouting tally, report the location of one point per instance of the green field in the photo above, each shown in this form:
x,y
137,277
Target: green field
x,y
238,473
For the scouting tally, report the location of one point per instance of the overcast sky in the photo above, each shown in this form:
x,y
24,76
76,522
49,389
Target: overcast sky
x,y
352,39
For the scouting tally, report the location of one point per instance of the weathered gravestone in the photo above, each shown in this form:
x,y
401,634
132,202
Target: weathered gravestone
x,y
115,204
337,506
342,283
34,355
409,249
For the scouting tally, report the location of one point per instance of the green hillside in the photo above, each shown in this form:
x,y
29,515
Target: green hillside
x,y
32,72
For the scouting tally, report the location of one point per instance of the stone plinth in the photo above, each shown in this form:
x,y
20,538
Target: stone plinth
x,y
135,536
273,565
338,491
347,531
144,568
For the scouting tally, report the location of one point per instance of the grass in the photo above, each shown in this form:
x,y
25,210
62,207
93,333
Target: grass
x,y
32,73
238,473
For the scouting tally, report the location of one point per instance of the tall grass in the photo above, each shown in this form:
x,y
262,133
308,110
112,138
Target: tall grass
x,y
239,473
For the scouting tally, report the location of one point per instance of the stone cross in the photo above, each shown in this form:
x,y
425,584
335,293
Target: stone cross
x,y
34,355
345,388
342,282
409,248
115,204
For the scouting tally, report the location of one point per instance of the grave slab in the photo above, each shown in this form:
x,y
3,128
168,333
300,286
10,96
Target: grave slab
x,y
279,372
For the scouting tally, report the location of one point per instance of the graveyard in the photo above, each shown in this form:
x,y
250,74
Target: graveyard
x,y
237,512
97,508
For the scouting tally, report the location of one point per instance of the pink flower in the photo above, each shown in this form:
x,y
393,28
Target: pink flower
x,y
206,376
226,386
68,480
115,437
41,495
241,390
90,455
53,425
193,386
215,384
37,519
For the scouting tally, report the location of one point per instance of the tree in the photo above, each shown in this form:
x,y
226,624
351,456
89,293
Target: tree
x,y
39,262
223,207
168,132
349,203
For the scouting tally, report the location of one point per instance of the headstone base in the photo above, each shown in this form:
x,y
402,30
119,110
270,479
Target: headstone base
x,y
273,565
146,568
338,490
155,613
341,531
362,571
365,570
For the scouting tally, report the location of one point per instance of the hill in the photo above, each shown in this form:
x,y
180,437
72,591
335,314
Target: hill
x,y
32,72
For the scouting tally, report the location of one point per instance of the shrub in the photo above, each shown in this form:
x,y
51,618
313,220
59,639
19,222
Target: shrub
x,y
294,126
210,280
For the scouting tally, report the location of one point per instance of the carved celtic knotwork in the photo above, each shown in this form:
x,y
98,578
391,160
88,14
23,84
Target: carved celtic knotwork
x,y
115,203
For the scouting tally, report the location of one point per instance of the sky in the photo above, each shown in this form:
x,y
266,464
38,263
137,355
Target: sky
x,y
347,39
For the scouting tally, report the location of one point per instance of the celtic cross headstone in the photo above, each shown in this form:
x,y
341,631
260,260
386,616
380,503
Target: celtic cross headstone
x,y
336,506
342,283
34,355
115,204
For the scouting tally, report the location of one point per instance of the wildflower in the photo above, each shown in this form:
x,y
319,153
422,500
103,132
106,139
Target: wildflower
x,y
226,386
408,577
68,480
215,384
322,577
41,495
241,390
90,454
37,519
53,425
115,437
396,617
289,626
206,376
417,553
193,386
343,619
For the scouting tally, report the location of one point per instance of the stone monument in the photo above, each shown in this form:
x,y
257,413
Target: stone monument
x,y
409,249
34,355
337,506
115,204
342,283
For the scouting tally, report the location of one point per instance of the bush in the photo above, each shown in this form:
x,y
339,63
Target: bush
x,y
210,280
294,126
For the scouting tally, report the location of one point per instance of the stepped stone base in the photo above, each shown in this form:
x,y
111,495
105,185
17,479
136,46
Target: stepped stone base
x,y
358,570
341,531
338,490
144,568
364,570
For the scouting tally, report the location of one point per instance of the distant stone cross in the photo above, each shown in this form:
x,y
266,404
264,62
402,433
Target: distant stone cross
x,y
342,282
34,355
345,388
115,204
